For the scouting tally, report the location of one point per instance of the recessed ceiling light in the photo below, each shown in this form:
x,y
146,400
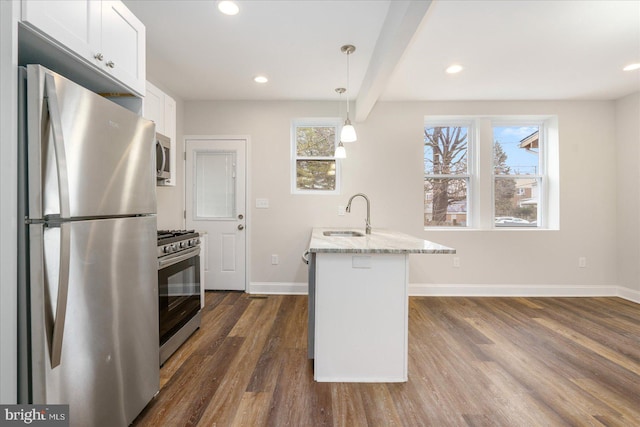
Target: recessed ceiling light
x,y
455,68
632,67
228,7
260,79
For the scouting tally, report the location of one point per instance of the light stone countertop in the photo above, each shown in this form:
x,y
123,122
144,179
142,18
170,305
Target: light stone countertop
x,y
379,241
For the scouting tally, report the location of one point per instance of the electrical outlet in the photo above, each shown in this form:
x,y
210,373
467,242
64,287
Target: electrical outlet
x,y
262,203
582,262
456,262
341,210
274,259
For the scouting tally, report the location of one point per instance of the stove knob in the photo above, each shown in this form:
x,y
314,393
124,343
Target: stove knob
x,y
174,247
183,245
166,249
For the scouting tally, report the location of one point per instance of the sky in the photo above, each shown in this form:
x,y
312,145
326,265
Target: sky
x,y
518,158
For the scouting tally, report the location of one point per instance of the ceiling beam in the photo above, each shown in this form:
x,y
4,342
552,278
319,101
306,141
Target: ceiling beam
x,y
402,22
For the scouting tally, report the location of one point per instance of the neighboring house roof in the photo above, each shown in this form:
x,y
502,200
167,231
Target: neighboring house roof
x,y
530,142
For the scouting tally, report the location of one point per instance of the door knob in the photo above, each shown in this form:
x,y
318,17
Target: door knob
x,y
240,216
240,227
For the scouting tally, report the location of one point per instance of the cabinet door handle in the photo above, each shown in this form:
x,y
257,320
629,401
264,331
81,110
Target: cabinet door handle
x,y
241,227
98,56
110,64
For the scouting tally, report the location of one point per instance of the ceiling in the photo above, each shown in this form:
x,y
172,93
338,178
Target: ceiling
x,y
510,49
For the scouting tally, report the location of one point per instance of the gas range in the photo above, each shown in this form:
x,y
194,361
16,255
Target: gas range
x,y
179,288
174,241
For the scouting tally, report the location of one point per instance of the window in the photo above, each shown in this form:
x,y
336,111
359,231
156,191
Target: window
x,y
517,175
491,172
446,175
315,169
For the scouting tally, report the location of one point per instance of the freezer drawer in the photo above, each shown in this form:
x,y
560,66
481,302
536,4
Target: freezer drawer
x,y
108,367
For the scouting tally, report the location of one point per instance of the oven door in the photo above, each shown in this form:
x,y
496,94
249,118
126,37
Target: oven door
x,y
179,291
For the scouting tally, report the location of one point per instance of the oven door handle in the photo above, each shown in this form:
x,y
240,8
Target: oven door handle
x,y
174,259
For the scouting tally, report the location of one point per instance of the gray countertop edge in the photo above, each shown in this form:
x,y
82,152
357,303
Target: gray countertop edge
x,y
378,242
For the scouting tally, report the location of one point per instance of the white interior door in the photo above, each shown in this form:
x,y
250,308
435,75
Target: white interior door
x,y
216,204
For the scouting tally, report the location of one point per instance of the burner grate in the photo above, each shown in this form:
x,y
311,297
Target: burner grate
x,y
168,236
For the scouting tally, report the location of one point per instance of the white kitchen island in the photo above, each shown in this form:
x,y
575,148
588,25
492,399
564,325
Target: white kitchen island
x,y
358,304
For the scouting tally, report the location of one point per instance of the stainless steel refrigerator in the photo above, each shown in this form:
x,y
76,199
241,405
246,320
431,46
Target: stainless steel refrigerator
x,y
88,294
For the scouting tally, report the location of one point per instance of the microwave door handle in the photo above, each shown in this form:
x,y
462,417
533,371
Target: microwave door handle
x,y
65,230
164,156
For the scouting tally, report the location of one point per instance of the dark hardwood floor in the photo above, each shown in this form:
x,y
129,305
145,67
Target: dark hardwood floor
x,y
472,362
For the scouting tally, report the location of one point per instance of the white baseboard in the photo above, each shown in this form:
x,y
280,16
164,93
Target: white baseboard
x,y
472,290
282,288
422,289
457,290
629,294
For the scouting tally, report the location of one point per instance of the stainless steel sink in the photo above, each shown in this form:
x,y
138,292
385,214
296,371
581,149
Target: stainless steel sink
x,y
342,233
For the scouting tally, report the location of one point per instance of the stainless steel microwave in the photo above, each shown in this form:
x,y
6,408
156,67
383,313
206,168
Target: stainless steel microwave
x,y
163,156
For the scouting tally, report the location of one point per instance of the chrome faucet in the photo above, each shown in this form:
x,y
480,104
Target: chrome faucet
x,y
368,220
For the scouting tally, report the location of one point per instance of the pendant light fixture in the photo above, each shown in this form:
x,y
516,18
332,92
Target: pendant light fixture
x,y
340,153
348,133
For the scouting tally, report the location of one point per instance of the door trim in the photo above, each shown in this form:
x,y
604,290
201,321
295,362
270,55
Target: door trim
x,y
247,205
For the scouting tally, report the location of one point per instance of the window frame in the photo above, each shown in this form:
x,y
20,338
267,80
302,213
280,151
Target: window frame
x,y
314,122
541,176
470,176
481,191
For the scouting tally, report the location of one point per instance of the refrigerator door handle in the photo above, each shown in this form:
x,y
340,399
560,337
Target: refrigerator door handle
x,y
58,144
65,228
63,291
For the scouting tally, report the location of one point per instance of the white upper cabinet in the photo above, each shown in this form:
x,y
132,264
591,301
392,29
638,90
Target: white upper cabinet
x,y
74,23
170,118
104,34
161,108
123,44
153,106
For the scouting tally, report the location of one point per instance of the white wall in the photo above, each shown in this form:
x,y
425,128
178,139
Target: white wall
x,y
627,112
386,164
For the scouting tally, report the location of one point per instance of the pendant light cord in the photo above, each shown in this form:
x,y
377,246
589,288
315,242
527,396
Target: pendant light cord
x,y
348,132
348,85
